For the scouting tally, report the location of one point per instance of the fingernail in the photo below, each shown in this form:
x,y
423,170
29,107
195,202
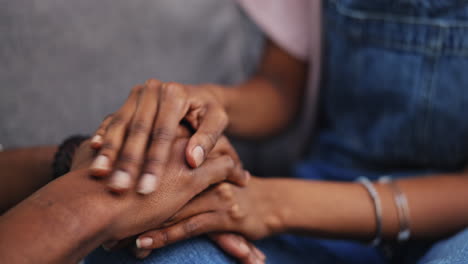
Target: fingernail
x,y
144,242
101,163
147,184
96,140
198,155
244,248
120,180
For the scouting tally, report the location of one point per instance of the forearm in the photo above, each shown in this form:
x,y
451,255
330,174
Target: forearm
x,y
60,223
346,211
23,172
270,100
258,109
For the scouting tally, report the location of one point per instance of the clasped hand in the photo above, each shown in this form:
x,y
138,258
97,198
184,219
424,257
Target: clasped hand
x,y
129,145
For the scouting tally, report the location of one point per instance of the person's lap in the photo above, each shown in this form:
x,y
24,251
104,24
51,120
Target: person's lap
x,y
280,249
202,250
197,250
452,250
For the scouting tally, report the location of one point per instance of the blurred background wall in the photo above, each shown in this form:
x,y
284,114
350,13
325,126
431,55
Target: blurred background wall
x,y
64,65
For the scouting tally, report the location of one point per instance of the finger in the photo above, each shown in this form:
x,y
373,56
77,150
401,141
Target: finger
x,y
131,157
224,147
140,252
194,226
214,121
98,138
258,252
220,197
219,169
235,246
115,135
171,110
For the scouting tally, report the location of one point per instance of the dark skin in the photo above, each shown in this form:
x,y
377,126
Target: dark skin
x,y
75,213
152,116
18,166
436,202
320,209
275,89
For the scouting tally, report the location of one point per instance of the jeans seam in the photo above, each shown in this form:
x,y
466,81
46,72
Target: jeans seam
x,y
429,91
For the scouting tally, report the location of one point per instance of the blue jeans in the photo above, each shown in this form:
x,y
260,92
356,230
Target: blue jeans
x,y
278,250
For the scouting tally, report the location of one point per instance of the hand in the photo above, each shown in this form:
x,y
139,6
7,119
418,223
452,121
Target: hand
x,y
180,184
83,156
233,244
238,247
249,211
142,129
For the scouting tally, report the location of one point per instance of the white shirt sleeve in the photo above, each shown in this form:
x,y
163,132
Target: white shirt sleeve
x,y
286,22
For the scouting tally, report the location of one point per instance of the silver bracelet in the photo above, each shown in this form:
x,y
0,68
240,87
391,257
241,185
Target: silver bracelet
x,y
377,206
401,203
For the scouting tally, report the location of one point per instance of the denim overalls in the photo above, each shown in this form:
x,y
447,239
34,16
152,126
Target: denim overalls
x,y
394,98
395,93
394,101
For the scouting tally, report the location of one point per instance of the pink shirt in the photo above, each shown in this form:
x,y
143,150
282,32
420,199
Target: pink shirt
x,y
294,25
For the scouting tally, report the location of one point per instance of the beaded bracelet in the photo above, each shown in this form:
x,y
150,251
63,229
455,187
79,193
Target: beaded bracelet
x,y
377,206
64,155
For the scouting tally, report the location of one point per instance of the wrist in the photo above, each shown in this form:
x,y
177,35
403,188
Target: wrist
x,y
225,95
65,214
87,201
270,195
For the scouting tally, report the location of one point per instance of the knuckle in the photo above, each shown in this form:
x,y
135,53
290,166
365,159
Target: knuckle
x,y
101,131
273,223
190,227
128,158
136,89
139,127
152,163
117,120
223,118
108,146
209,140
235,212
106,121
162,135
224,191
153,82
174,90
163,237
